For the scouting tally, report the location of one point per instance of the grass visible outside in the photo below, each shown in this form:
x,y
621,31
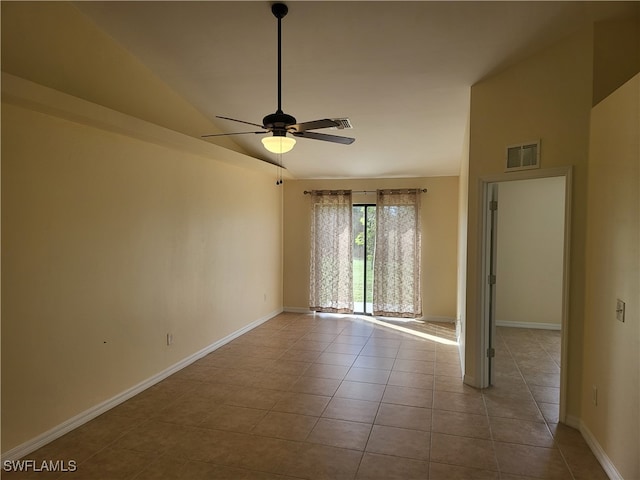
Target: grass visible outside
x,y
358,279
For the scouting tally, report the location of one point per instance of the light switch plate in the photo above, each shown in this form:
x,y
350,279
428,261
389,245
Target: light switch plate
x,y
620,310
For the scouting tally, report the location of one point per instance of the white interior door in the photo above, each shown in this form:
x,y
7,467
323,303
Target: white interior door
x,y
492,262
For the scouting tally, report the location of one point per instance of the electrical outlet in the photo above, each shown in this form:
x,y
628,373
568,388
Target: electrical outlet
x,y
594,395
620,307
169,338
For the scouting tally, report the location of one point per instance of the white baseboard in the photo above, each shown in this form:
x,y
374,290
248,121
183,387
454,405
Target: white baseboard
x,y
469,380
434,318
461,349
426,318
573,422
49,436
540,326
603,458
297,310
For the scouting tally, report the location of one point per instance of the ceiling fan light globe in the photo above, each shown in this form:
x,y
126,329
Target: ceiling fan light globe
x,y
278,144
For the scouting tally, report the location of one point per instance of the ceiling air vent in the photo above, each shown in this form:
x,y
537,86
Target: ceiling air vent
x,y
523,157
342,123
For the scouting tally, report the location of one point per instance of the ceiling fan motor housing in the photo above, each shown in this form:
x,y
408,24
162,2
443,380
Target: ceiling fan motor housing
x,y
278,122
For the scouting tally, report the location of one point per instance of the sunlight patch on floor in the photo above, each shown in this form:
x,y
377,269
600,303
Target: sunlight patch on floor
x,y
410,331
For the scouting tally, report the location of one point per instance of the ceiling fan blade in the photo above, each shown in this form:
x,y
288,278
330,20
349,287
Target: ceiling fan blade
x,y
313,125
226,134
241,121
325,137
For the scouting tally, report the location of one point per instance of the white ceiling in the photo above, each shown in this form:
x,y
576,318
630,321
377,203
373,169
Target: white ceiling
x,y
400,71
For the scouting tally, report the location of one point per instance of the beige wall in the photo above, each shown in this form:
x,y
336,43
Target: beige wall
x,y
439,240
546,97
530,253
108,244
115,231
613,271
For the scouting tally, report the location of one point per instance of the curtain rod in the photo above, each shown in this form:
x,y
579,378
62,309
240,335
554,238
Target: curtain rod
x,y
392,191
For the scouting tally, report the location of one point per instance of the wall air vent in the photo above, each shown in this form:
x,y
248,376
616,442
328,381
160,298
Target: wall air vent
x,y
342,123
523,157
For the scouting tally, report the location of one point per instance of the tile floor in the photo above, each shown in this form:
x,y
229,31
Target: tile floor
x,y
336,397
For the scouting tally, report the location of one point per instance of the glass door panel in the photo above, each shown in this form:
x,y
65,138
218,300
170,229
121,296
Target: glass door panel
x,y
364,238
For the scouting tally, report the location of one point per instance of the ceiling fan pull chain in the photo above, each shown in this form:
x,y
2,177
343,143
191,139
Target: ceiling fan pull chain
x,y
279,170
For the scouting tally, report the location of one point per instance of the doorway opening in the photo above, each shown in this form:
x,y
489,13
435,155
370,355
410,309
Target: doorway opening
x,y
525,283
364,243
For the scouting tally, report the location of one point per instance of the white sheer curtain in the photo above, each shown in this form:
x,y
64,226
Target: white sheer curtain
x,y
331,279
396,281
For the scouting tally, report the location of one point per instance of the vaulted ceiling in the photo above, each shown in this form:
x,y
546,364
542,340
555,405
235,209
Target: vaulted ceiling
x,y
400,71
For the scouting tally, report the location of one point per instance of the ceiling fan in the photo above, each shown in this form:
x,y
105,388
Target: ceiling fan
x,y
280,123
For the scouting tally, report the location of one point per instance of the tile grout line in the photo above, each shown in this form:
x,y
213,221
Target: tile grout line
x,y
493,442
555,443
364,451
433,404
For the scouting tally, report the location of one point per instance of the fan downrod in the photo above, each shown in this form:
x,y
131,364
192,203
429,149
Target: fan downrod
x,y
279,10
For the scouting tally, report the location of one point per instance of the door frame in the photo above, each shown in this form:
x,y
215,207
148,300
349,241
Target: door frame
x,y
484,293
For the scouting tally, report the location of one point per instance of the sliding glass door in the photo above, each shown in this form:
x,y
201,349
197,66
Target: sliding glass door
x,y
364,239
